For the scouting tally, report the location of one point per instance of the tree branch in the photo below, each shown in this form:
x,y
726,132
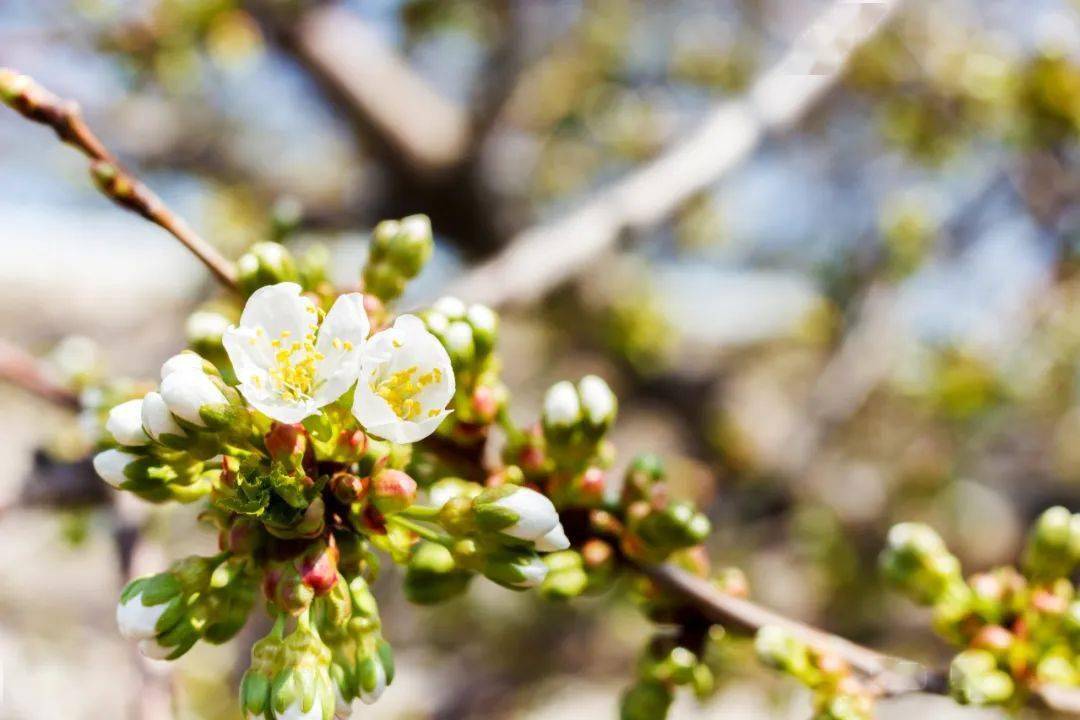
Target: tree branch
x,y
36,103
889,676
23,370
544,256
382,92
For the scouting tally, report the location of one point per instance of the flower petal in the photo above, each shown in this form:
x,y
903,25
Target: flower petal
x,y
341,342
279,309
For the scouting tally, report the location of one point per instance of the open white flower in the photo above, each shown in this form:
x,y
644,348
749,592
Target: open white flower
x,y
288,364
137,621
125,423
405,383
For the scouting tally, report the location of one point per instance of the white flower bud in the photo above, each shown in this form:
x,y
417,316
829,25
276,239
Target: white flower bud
x,y
182,361
562,407
536,514
482,318
110,466
137,621
534,571
369,697
205,326
185,392
156,418
597,399
150,648
125,423
451,307
553,541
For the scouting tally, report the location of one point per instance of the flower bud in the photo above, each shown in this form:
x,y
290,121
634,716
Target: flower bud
x,y
189,395
458,341
266,263
205,328
112,466
349,488
158,422
485,328
125,424
188,361
383,280
676,525
445,489
778,648
646,700
974,679
518,512
392,491
432,576
450,307
1053,547
411,246
318,568
256,683
917,561
566,576
515,569
148,606
562,406
598,402
286,443
302,688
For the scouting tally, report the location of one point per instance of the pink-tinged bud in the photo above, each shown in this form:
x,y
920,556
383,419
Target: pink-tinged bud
x,y
1048,602
531,459
349,488
286,441
593,482
242,537
485,403
373,306
393,491
832,665
511,474
230,468
319,568
357,440
696,560
994,638
987,586
596,554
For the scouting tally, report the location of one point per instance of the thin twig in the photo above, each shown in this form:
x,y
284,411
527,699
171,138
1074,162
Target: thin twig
x,y
541,258
36,103
23,370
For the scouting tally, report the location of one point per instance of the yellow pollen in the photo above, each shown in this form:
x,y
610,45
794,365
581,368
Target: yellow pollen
x,y
294,370
400,389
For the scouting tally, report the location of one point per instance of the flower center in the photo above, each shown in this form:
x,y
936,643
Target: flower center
x,y
400,389
293,373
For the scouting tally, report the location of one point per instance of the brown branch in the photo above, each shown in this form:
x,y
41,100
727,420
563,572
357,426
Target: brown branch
x,y
23,370
888,675
541,258
36,103
394,104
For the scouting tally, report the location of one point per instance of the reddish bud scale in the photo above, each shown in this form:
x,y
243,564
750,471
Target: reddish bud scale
x,y
285,441
349,488
393,491
319,569
593,482
357,440
1047,602
531,459
994,638
696,560
596,553
484,403
832,665
373,520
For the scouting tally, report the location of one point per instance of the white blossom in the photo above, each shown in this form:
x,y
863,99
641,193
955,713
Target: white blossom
x,y
137,621
288,364
296,711
186,391
405,383
534,571
110,466
125,423
182,361
562,407
536,514
482,318
156,418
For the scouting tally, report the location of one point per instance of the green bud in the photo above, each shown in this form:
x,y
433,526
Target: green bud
x,y
778,648
566,578
266,263
383,280
677,525
432,575
974,679
917,562
485,328
412,246
1053,547
514,568
646,700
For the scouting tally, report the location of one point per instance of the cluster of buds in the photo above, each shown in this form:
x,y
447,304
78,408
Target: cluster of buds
x,y
469,333
666,664
655,524
399,250
197,598
1019,628
838,693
